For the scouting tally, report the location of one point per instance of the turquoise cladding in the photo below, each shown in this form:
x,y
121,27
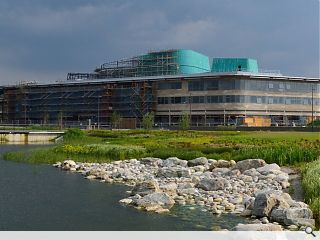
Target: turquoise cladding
x,y
191,62
234,64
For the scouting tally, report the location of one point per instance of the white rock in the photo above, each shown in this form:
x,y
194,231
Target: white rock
x,y
126,201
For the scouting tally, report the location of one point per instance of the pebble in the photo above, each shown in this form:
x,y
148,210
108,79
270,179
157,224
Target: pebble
x,y
264,220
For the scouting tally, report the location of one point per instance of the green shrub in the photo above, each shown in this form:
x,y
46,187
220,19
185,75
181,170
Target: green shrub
x,y
73,133
185,121
148,121
311,186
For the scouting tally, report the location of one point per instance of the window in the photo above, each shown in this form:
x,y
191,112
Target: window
x,y
163,100
197,85
184,99
259,100
281,87
287,100
195,99
177,100
212,85
169,85
253,99
227,84
270,100
270,85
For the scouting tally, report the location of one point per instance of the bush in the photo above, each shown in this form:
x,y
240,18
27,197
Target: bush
x,y
148,121
73,133
115,119
185,121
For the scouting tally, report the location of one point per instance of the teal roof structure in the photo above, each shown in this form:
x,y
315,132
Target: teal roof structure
x,y
234,64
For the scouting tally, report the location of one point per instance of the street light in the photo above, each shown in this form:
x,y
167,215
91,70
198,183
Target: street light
x,y
190,101
99,112
312,107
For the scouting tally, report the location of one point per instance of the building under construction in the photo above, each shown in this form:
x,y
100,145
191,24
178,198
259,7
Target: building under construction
x,y
229,91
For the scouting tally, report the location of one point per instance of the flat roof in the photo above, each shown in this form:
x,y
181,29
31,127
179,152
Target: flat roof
x,y
237,74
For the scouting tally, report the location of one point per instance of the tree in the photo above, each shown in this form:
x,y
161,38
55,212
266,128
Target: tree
x,y
60,120
148,121
185,121
45,118
115,119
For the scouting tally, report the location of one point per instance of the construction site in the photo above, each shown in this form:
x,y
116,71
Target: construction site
x,y
169,84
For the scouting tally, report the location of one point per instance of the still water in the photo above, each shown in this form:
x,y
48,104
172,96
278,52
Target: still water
x,y
41,197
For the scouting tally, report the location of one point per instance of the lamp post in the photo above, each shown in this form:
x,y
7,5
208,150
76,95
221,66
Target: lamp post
x,y
190,101
312,107
99,112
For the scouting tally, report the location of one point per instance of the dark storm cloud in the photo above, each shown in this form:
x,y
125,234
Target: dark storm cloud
x,y
43,40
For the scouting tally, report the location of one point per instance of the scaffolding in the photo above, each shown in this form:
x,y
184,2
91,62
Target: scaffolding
x,y
61,104
152,64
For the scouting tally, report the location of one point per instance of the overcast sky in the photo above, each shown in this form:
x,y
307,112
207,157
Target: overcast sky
x,y
43,40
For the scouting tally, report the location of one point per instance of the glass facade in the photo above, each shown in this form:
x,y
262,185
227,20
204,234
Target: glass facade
x,y
251,85
238,99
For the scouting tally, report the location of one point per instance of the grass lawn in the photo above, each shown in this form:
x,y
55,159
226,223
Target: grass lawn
x,y
284,148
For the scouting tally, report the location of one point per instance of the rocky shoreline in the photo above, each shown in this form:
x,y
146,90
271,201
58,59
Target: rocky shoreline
x,y
250,188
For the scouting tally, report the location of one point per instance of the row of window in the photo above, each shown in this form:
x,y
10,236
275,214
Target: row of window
x,y
238,99
251,85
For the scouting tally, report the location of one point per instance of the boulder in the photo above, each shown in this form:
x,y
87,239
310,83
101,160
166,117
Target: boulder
x,y
282,177
145,188
249,163
126,201
169,188
220,171
199,168
67,164
173,172
268,169
198,161
184,172
167,172
155,200
263,204
212,184
57,164
258,227
187,191
249,203
174,161
246,213
234,173
98,172
251,172
185,185
293,216
151,161
222,164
